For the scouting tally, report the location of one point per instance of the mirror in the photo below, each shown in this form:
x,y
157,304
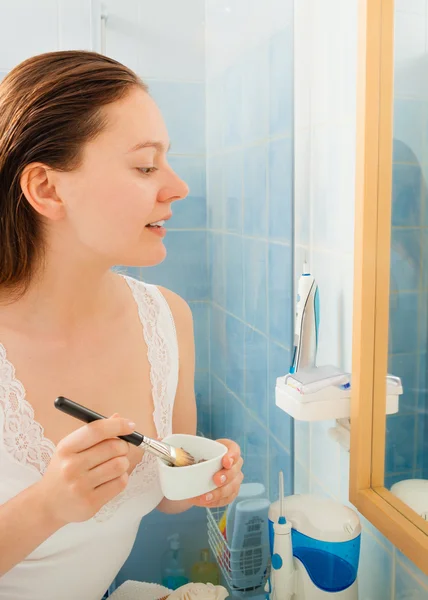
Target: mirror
x,y
406,451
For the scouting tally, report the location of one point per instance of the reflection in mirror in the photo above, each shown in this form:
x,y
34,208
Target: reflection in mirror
x,y
406,454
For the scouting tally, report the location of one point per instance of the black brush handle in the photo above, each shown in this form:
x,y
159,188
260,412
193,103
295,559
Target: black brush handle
x,y
88,416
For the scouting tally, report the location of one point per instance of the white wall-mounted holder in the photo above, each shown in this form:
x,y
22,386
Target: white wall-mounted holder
x,y
341,433
328,403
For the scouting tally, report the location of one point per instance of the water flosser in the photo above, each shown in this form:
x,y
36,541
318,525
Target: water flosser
x,y
307,322
282,573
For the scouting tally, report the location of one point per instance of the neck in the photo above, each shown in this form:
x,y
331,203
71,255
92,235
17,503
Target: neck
x,y
64,296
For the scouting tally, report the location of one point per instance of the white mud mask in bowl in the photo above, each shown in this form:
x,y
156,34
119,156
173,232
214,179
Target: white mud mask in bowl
x,y
183,483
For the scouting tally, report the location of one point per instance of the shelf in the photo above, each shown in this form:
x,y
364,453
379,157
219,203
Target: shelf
x,y
329,403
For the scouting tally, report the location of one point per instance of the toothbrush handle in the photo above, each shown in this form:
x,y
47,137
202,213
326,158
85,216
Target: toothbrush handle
x,y
88,416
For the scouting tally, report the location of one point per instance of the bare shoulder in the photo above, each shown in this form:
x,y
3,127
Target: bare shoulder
x,y
181,312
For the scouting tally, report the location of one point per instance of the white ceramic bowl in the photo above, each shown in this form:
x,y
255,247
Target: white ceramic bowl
x,y
182,483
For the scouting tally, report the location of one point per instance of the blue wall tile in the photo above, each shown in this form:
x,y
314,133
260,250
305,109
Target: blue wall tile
x,y
422,322
255,101
280,276
390,480
281,82
135,272
406,367
184,116
218,343
400,443
236,419
243,164
402,153
190,213
281,189
233,98
256,360
216,110
255,174
422,382
192,170
279,460
234,264
424,258
403,323
218,407
280,424
256,452
406,563
407,188
376,565
408,116
302,442
216,202
186,253
217,268
202,393
325,457
200,311
235,366
421,442
406,586
255,301
405,259
233,190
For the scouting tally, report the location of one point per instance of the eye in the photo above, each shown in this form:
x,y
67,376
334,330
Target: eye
x,y
146,170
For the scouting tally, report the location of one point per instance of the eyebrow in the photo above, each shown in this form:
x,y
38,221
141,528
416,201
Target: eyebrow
x,y
159,146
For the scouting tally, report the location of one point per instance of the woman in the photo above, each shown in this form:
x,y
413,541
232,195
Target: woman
x,y
85,185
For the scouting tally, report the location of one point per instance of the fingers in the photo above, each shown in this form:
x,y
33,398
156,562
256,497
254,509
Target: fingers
x,y
228,488
233,453
102,452
221,496
105,492
108,471
93,433
226,475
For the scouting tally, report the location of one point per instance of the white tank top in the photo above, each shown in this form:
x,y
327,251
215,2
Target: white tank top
x,y
80,561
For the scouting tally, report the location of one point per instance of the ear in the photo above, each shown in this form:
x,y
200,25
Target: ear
x,y
38,186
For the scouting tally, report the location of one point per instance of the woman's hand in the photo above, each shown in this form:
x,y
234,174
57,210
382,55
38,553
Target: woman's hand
x,y
89,467
228,480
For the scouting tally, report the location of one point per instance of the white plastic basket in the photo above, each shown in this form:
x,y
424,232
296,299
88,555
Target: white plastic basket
x,y
238,565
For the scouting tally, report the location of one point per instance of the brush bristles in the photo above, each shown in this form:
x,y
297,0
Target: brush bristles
x,y
183,458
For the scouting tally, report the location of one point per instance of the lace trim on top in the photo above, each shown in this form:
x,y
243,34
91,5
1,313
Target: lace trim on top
x,y
145,473
24,437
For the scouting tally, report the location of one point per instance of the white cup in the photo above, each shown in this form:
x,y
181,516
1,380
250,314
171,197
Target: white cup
x,y
182,483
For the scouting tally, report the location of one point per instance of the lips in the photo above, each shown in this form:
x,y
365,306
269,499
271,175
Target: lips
x,y
160,222
156,224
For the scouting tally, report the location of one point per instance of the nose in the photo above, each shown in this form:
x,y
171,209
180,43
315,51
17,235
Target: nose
x,y
176,189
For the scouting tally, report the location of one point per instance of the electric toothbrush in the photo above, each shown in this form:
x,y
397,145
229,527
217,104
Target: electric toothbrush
x,y
281,585
307,322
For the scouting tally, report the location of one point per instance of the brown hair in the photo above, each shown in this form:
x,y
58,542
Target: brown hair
x,y
50,106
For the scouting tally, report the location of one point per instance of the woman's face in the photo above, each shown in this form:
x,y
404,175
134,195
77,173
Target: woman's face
x,y
123,184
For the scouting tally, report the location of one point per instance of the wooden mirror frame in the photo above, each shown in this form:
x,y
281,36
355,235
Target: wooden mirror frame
x,y
401,525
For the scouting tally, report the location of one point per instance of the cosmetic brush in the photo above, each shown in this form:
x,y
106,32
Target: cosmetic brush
x,y
176,457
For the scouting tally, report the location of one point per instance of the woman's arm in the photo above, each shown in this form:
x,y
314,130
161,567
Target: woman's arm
x,y
87,469
184,415
24,525
230,477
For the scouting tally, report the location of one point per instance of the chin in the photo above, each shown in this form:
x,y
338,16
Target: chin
x,y
147,258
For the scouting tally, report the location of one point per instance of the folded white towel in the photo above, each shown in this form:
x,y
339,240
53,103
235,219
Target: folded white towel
x,y
138,590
